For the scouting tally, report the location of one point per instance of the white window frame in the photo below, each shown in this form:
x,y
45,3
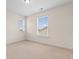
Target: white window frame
x,y
21,23
37,26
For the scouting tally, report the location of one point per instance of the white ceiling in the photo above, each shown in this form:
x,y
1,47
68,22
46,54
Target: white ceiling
x,y
20,7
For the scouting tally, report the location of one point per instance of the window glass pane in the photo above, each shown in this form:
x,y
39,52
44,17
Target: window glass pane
x,y
21,24
42,25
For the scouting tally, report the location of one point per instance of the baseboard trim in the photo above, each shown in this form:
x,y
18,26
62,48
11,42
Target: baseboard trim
x,y
39,43
15,42
50,45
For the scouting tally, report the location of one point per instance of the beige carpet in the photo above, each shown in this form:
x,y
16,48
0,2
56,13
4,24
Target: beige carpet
x,y
30,50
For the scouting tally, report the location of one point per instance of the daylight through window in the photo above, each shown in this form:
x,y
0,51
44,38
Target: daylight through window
x,y
42,25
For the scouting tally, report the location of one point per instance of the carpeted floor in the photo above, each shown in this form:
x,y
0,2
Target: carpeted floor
x,y
31,50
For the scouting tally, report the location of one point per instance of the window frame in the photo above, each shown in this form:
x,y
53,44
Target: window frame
x,y
37,26
21,23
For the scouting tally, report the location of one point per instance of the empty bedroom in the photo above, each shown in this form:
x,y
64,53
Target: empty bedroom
x,y
39,29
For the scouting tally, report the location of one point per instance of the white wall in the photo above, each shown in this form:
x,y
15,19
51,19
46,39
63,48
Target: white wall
x,y
60,27
12,28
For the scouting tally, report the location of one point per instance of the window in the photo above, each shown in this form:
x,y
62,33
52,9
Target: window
x,y
21,24
42,25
